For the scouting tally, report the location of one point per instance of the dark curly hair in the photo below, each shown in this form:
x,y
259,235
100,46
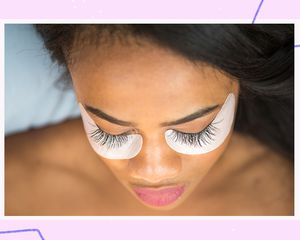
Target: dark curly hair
x,y
259,56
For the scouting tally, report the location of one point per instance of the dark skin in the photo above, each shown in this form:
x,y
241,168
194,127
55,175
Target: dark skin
x,y
58,173
56,181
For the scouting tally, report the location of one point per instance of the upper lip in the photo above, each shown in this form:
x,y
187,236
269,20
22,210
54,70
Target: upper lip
x,y
156,186
165,183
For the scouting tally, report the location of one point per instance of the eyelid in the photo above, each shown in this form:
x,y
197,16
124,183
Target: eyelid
x,y
121,134
198,131
203,129
109,125
136,131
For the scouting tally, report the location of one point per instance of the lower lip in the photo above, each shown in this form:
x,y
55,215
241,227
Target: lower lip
x,y
159,197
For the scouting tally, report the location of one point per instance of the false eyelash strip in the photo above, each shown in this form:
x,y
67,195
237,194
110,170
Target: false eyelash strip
x,y
112,141
195,139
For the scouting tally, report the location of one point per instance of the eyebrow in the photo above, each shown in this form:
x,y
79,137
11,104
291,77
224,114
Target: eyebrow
x,y
198,114
99,113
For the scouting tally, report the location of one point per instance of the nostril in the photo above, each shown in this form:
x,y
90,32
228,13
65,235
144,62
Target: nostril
x,y
155,164
155,174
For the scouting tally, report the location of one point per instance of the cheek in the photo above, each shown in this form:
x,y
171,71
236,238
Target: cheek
x,y
117,167
197,166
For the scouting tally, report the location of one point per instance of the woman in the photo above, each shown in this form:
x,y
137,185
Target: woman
x,y
177,120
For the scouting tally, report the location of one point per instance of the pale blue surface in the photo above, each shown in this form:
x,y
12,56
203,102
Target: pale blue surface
x,y
31,99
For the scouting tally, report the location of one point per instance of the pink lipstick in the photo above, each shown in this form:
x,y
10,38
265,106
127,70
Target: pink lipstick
x,y
159,197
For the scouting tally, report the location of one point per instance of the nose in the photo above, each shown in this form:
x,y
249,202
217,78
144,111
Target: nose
x,y
156,163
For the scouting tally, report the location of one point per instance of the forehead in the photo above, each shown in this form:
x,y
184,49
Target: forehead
x,y
125,79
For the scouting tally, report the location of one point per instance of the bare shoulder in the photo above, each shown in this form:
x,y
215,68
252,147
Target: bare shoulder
x,y
265,181
45,168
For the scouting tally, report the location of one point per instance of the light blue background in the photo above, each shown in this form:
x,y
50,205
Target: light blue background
x,y
31,97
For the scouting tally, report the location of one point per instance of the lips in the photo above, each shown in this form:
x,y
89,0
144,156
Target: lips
x,y
159,197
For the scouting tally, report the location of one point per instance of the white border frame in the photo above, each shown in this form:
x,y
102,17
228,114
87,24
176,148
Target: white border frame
x,y
245,21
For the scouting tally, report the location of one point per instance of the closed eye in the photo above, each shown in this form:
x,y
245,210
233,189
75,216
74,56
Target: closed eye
x,y
204,137
111,141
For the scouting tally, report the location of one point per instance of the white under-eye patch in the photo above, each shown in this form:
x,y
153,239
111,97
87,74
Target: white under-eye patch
x,y
109,146
208,139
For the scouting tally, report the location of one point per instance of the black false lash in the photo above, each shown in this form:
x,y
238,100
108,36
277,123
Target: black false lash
x,y
113,141
204,137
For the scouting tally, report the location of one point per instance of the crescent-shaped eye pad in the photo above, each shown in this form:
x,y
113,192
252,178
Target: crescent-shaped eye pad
x,y
107,145
208,139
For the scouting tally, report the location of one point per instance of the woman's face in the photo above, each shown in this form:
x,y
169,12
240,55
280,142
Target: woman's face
x,y
143,91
